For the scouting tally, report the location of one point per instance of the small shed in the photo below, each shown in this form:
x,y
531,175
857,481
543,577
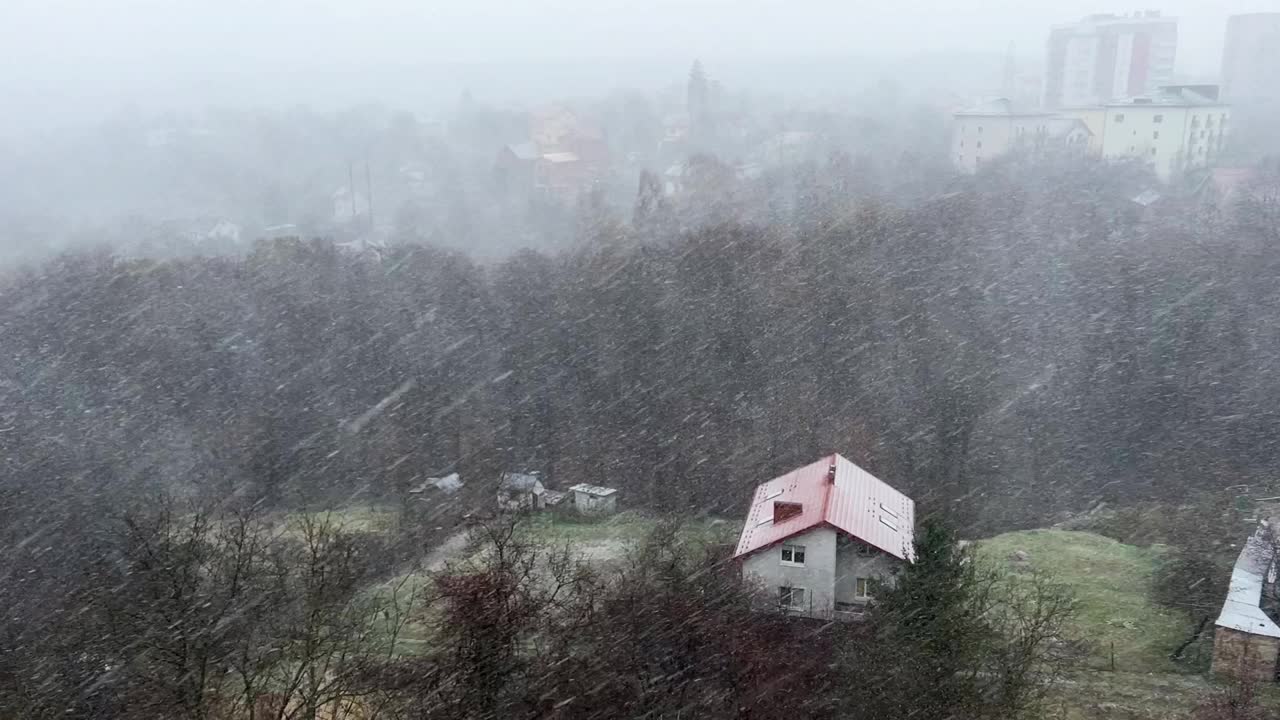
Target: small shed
x,y
521,491
594,499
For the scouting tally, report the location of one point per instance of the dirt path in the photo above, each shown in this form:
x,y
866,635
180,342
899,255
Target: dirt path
x,y
453,548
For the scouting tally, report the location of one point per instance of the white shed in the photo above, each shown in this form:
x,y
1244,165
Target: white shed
x,y
521,491
594,499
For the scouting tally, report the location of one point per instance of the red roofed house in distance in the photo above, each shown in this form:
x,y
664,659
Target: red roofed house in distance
x,y
822,536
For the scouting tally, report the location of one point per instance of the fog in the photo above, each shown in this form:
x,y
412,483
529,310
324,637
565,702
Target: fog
x,y
595,360
86,57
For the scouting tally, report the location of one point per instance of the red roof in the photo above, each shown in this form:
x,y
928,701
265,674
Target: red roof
x,y
854,502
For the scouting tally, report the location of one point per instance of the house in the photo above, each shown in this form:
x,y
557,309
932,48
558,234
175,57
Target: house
x,y
521,491
997,127
516,166
1246,640
823,536
594,499
1177,129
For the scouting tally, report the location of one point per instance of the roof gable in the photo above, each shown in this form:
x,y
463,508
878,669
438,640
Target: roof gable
x,y
853,501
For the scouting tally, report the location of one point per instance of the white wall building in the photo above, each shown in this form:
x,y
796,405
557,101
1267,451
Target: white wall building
x,y
996,128
1178,129
1103,57
1251,57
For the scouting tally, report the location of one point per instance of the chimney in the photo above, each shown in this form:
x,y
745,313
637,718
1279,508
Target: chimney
x,y
783,510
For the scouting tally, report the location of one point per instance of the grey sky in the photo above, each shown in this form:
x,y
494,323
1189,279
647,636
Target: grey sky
x,y
52,46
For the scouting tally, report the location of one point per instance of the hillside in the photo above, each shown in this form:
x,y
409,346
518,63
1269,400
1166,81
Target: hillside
x,y
1112,585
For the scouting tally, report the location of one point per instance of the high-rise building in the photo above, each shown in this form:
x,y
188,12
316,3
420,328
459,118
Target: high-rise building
x,y
1251,58
1105,57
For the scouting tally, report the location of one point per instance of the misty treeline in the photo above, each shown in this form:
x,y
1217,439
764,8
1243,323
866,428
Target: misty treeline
x,y
154,185
222,614
1025,344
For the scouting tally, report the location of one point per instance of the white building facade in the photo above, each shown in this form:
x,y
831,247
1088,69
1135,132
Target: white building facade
x,y
1103,57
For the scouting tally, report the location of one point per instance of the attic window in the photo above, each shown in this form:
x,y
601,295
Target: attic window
x,y
786,510
888,524
892,514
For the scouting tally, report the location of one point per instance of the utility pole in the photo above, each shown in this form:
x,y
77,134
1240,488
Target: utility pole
x,y
368,183
351,187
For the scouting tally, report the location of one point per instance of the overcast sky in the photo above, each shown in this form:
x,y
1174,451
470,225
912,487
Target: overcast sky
x,y
51,45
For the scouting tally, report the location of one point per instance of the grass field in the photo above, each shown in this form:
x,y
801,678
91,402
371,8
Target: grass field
x,y
1111,582
609,537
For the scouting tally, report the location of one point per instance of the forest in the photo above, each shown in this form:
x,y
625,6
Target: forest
x,y
1008,349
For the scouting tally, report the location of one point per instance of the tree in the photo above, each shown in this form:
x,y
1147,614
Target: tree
x,y
953,638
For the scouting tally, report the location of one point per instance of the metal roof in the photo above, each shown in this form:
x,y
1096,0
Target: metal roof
x,y
521,482
856,503
593,489
1241,611
524,150
560,157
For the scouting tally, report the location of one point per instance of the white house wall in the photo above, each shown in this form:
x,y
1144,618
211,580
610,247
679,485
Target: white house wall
x,y
817,577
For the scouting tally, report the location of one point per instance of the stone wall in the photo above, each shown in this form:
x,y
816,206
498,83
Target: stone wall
x,y
1239,654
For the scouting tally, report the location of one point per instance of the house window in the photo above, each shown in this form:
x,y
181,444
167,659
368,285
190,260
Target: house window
x,y
1157,119
862,588
793,555
961,143
979,129
1153,151
1155,135
791,597
1119,117
979,144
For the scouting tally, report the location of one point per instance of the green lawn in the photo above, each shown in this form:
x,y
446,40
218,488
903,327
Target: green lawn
x,y
608,537
1111,582
351,518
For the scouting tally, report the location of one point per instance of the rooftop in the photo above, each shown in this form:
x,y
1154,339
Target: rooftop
x,y
836,493
1241,610
1001,107
596,490
1175,96
560,157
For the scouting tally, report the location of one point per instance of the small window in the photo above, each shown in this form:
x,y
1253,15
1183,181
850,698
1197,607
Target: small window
x,y
861,588
793,555
979,129
1119,117
979,144
773,494
1155,135
791,597
891,513
1153,151
961,143
1157,119
888,524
